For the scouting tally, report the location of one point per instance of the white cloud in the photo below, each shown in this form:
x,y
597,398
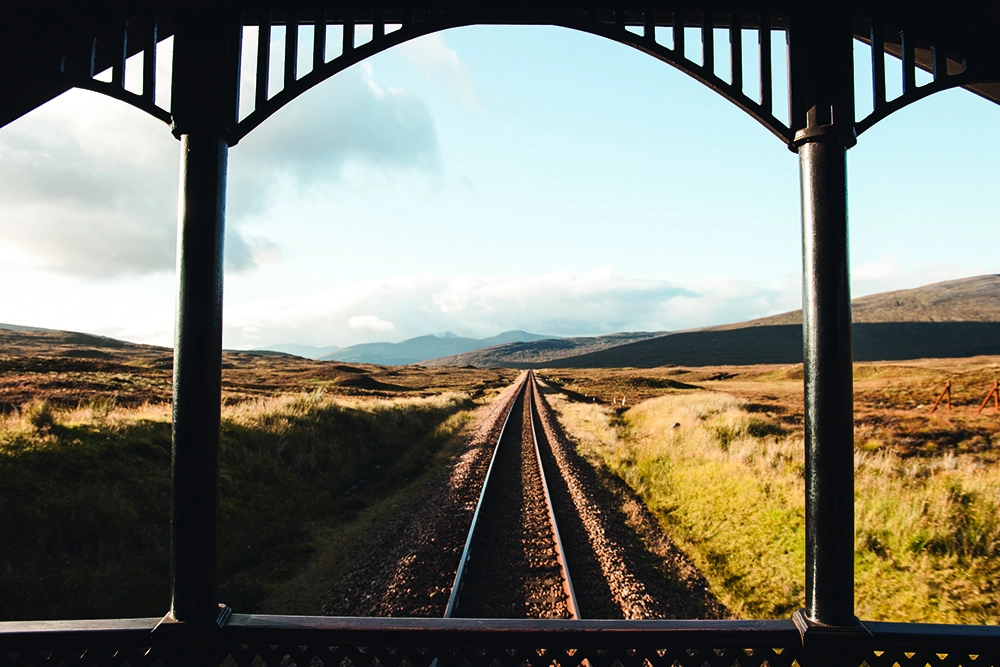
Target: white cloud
x,y
561,304
371,323
432,57
245,252
888,273
88,185
876,269
140,309
310,144
88,188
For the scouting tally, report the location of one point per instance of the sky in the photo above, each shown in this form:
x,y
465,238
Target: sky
x,y
475,181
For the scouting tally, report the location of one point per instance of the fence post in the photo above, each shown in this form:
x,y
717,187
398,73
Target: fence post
x,y
944,392
995,395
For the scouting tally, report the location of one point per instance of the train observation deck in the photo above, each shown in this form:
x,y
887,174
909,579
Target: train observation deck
x,y
52,46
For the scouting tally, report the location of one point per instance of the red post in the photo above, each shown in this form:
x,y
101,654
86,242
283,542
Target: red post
x,y
995,395
947,391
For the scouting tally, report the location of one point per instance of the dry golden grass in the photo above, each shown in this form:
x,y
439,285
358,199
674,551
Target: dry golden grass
x,y
312,453
86,492
721,464
84,456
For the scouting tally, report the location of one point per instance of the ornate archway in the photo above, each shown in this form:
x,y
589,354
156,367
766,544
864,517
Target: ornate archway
x,y
81,43
52,48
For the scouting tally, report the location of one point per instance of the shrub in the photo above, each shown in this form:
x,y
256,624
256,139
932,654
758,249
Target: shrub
x,y
38,413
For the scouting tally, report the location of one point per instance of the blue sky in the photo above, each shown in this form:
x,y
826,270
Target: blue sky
x,y
479,180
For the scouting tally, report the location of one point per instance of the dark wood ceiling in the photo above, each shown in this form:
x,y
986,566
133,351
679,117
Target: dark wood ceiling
x,y
42,42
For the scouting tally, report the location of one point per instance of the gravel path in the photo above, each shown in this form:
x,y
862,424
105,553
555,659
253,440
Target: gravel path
x,y
622,564
408,567
514,569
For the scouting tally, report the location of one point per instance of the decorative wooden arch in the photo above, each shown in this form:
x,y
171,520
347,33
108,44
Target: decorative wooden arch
x,y
91,43
50,47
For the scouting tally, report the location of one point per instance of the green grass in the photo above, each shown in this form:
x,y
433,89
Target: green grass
x,y
727,486
84,499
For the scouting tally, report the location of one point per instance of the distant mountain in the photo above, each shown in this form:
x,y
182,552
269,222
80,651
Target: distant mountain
x,y
538,352
72,338
957,318
18,327
782,344
966,300
307,351
423,348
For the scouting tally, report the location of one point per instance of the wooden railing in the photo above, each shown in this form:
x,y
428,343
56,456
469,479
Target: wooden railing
x,y
309,641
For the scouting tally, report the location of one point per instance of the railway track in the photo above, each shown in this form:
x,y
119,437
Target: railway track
x,y
623,566
514,564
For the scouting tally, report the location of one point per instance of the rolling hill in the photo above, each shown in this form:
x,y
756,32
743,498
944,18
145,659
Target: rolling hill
x,y
422,348
294,349
782,344
541,351
966,300
957,318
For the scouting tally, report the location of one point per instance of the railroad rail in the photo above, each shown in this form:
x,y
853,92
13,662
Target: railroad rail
x,y
514,564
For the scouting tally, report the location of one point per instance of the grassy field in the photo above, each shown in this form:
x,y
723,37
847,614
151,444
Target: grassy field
x,y
70,369
717,455
317,455
84,498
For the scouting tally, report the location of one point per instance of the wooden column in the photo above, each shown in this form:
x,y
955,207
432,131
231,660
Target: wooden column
x,y
205,79
822,105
